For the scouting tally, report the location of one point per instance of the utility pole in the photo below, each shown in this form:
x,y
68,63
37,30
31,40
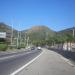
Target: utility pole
x,y
12,35
73,32
20,38
27,41
46,35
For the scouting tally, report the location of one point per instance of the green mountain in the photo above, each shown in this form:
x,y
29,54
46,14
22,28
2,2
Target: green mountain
x,y
70,31
34,33
39,33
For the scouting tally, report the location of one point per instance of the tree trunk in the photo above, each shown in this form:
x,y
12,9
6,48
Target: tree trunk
x,y
62,46
67,45
70,46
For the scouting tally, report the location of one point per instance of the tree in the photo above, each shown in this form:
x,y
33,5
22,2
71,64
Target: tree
x,y
69,39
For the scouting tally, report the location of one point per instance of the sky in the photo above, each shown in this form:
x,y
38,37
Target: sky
x,y
23,14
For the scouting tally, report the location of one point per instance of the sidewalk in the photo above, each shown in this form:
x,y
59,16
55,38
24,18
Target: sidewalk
x,y
67,54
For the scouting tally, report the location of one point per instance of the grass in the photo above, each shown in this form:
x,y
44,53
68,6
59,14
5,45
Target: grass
x,y
3,47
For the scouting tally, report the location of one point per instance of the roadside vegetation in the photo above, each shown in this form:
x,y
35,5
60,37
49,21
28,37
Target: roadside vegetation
x,y
3,45
56,40
37,36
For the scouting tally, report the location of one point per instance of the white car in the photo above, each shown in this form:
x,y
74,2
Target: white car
x,y
39,48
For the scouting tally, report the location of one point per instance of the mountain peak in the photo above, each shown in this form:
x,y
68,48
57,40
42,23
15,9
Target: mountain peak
x,y
38,28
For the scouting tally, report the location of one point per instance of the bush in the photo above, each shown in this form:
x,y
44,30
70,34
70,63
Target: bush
x,y
3,47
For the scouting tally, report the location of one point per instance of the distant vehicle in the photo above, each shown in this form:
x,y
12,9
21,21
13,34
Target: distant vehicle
x,y
39,48
32,48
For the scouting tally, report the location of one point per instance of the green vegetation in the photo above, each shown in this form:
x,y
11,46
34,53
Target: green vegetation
x,y
38,36
3,44
41,36
3,47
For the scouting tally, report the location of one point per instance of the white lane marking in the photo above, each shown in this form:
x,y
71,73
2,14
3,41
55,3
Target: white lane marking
x,y
68,61
20,69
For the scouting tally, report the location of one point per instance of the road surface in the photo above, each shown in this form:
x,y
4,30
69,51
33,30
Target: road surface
x,y
9,62
48,63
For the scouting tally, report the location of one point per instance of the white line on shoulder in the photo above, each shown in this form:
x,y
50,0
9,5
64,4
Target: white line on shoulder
x,y
18,70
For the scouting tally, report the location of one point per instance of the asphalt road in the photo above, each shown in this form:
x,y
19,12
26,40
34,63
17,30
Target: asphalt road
x,y
49,63
10,62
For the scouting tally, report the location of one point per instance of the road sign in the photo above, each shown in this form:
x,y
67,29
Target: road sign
x,y
2,34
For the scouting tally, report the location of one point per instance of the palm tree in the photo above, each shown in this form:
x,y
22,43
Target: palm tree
x,y
69,39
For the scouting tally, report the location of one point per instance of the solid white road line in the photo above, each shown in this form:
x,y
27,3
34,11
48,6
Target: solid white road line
x,y
20,69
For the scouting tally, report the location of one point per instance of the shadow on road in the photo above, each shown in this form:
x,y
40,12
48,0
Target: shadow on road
x,y
67,54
